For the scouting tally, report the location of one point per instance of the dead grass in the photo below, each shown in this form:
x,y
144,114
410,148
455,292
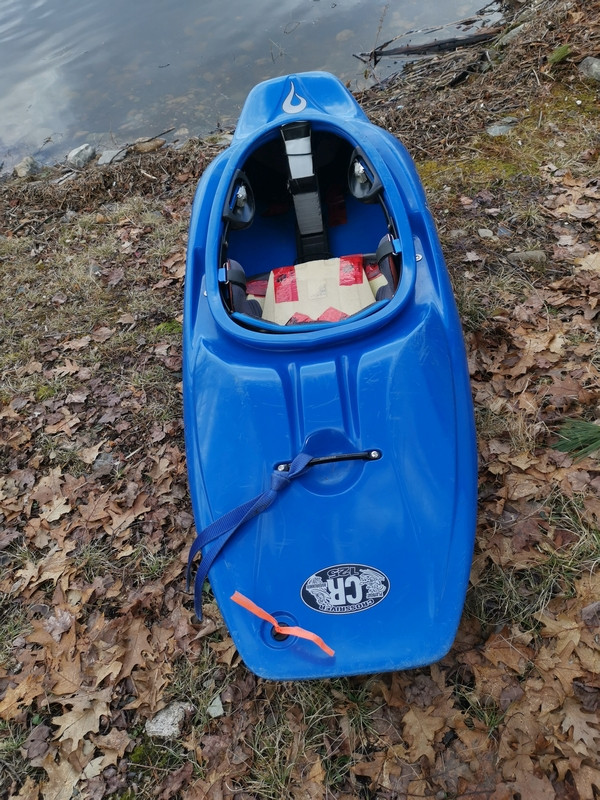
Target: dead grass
x,y
568,549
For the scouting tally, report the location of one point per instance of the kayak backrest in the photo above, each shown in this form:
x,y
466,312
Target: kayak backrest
x,y
304,189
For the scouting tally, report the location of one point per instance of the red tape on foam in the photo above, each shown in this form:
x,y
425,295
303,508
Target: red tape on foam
x,y
351,270
286,630
284,285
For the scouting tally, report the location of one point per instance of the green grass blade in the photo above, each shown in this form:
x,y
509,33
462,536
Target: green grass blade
x,y
578,438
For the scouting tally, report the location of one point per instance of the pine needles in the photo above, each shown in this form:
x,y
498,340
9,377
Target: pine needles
x,y
579,438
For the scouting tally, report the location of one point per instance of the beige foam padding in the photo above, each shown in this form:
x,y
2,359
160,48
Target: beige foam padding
x,y
325,290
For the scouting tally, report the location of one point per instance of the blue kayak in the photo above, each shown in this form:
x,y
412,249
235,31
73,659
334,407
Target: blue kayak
x,y
328,417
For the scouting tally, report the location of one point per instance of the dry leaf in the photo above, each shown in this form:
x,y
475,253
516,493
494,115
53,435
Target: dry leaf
x,y
81,720
62,778
590,262
419,729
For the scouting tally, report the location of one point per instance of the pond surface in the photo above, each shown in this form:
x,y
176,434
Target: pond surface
x,y
74,71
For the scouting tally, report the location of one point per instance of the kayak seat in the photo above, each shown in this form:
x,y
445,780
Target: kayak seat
x,y
234,289
320,290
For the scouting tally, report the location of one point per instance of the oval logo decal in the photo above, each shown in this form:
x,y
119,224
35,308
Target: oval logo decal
x,y
345,589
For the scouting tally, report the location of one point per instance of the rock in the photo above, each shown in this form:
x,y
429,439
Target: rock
x,y
590,67
503,127
485,233
509,37
224,139
148,146
112,156
104,464
169,722
559,55
215,708
27,167
527,257
81,156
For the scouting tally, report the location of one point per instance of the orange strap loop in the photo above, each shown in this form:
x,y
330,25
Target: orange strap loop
x,y
286,630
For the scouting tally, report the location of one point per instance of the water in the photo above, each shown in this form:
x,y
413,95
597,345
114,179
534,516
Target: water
x,y
74,71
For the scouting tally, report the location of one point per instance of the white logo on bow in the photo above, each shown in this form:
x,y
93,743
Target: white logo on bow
x,y
293,103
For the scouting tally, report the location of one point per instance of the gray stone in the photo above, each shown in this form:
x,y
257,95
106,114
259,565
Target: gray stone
x,y
485,233
590,67
503,127
169,722
112,156
527,257
215,708
27,167
224,139
81,156
510,36
104,464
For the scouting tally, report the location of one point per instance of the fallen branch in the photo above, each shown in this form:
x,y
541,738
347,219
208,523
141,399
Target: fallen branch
x,y
437,46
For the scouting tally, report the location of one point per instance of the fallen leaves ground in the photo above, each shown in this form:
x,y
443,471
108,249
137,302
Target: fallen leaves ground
x,y
97,633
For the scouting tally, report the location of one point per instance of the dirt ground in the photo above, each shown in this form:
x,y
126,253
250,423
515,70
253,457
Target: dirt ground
x,y
97,633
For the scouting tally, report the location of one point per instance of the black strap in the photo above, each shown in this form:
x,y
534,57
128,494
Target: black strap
x,y
389,260
304,188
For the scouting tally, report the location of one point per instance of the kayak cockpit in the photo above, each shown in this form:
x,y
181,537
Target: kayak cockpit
x,y
307,238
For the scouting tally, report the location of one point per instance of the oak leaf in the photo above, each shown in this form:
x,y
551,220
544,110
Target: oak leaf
x,y
175,781
65,677
29,791
371,769
586,779
226,651
77,344
136,638
68,368
589,262
21,695
419,730
82,719
581,727
113,745
89,454
122,519
96,509
531,787
58,623
102,334
502,648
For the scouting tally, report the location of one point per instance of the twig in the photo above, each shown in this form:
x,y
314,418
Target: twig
x,y
150,138
29,221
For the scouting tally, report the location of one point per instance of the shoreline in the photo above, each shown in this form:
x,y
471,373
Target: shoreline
x,y
87,155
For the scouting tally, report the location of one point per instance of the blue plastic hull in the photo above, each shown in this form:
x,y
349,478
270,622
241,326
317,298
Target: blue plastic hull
x,y
374,557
